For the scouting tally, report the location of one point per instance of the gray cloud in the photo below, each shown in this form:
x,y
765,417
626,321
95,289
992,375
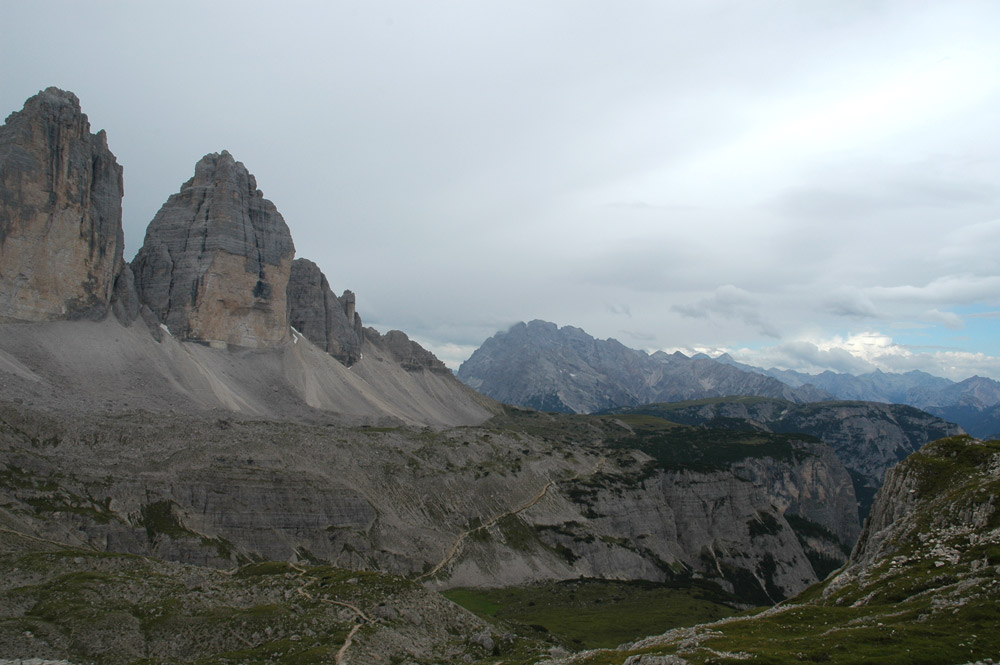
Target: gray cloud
x,y
850,303
622,310
730,302
808,355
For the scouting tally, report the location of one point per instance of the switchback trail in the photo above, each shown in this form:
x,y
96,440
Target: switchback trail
x,y
456,547
339,658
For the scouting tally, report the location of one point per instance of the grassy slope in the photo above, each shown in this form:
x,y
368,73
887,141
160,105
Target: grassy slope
x,y
90,607
596,613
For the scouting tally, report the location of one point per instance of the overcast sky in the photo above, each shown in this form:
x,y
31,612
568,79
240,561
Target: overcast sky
x,y
804,184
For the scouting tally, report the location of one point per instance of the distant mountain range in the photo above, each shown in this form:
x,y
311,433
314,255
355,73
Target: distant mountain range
x,y
542,366
565,370
973,403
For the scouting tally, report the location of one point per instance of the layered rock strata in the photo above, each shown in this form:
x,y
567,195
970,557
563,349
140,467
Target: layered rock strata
x,y
216,260
329,322
61,238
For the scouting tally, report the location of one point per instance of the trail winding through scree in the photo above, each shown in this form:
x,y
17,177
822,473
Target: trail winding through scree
x,y
456,547
339,658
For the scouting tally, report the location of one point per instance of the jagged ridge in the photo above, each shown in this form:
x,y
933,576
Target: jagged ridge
x,y
542,366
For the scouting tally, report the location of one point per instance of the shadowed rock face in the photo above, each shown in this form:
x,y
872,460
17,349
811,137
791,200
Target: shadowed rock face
x,y
215,263
61,237
327,321
405,351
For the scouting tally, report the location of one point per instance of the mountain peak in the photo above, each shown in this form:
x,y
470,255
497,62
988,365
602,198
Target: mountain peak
x,y
61,237
216,260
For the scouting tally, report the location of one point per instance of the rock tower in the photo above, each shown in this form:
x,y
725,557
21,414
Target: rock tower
x,y
327,321
61,239
215,263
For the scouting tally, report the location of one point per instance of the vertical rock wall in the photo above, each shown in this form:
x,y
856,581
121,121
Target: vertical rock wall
x,y
215,264
61,238
324,319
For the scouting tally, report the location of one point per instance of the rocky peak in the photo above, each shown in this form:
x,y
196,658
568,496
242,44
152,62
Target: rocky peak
x,y
215,264
410,355
541,366
327,321
61,238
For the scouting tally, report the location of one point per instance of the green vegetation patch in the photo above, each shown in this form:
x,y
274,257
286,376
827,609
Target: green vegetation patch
x,y
588,613
944,465
680,447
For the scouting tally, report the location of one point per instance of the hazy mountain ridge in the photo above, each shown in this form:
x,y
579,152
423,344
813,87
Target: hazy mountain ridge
x,y
973,403
542,366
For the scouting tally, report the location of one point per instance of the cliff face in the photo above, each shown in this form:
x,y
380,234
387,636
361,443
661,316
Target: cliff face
x,y
329,322
941,504
61,238
215,264
531,499
763,528
868,437
920,587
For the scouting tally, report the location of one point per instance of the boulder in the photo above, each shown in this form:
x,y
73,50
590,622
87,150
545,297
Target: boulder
x,y
61,238
216,259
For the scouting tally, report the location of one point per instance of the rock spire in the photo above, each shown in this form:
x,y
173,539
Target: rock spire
x,y
215,263
327,321
61,238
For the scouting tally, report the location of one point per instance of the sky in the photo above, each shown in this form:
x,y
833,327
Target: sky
x,y
804,185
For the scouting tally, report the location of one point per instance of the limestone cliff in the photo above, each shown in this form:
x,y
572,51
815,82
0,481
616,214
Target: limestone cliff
x,y
525,499
920,587
329,322
61,237
868,437
216,260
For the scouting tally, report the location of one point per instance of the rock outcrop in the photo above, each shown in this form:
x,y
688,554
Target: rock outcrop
x,y
410,355
61,238
216,260
329,322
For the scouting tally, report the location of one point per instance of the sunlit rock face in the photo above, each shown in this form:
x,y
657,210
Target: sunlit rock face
x,y
215,263
61,237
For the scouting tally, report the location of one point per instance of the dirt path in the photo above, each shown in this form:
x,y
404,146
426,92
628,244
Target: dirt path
x,y
365,619
339,658
456,547
28,536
